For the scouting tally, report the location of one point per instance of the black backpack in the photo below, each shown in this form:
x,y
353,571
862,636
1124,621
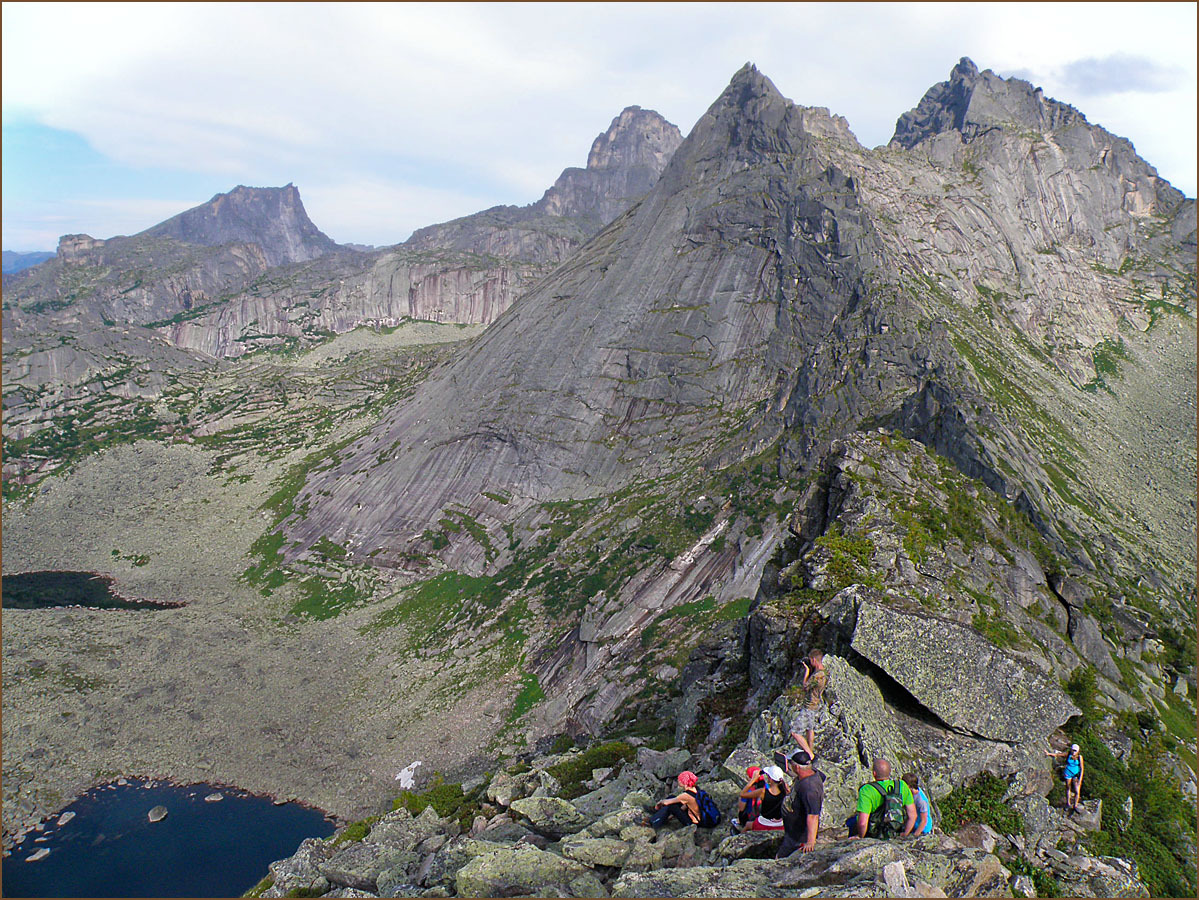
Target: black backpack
x,y
709,814
887,821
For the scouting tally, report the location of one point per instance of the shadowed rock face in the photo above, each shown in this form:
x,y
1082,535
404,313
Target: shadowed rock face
x,y
272,218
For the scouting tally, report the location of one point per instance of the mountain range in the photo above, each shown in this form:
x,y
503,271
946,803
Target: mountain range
x,y
614,462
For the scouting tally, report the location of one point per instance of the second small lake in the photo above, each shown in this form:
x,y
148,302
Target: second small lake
x,y
43,590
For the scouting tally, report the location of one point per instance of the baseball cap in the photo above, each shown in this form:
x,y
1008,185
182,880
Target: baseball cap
x,y
801,757
774,773
1073,748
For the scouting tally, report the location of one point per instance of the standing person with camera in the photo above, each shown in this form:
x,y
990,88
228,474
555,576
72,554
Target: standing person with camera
x,y
811,711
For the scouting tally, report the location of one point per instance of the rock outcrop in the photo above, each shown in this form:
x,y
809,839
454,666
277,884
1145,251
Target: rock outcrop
x,y
271,218
611,853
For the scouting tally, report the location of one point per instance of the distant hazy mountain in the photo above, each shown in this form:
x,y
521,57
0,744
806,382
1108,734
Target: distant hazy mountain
x,y
15,262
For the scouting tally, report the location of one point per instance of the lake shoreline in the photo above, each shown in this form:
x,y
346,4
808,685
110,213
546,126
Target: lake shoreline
x,y
11,841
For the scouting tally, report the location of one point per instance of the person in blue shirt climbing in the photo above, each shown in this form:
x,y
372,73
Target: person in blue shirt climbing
x,y
1071,774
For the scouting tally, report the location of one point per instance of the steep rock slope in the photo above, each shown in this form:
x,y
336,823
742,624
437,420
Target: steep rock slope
x,y
779,289
663,335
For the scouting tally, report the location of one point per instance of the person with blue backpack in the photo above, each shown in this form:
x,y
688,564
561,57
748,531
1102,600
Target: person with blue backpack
x,y
690,807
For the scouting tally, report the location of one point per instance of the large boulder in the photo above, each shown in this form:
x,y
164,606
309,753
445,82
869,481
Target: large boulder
x,y
445,863
550,816
359,864
959,676
403,830
523,869
299,871
663,764
596,851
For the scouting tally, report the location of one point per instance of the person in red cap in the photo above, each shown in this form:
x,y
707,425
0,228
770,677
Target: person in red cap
x,y
750,800
684,807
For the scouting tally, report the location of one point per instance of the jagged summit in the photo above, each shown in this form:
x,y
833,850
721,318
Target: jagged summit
x,y
272,218
624,162
971,101
749,122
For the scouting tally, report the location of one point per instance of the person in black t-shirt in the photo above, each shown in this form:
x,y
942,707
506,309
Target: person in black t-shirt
x,y
801,808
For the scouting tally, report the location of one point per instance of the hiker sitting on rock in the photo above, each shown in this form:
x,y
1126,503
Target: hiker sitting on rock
x,y
1072,774
815,680
886,808
684,807
770,813
801,809
750,799
924,811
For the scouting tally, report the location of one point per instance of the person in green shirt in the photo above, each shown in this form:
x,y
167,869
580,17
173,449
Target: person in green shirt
x,y
869,819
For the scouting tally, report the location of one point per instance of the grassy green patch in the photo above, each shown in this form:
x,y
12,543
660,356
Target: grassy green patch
x,y
259,889
530,695
353,832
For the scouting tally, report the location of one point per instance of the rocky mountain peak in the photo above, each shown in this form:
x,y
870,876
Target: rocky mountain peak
x,y
624,162
272,218
972,102
749,122
636,137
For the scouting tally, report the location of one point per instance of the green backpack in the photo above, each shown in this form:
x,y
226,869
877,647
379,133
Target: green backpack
x,y
887,821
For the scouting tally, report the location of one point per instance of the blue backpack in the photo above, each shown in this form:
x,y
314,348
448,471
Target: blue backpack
x,y
709,814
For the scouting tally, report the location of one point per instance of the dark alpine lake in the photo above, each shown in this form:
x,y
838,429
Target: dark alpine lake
x,y
201,849
41,590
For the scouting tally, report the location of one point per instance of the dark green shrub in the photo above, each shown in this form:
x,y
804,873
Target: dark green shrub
x,y
1083,691
562,743
1046,885
571,773
980,800
447,799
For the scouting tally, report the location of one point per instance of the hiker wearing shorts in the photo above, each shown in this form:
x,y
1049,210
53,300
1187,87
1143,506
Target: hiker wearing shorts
x,y
1071,774
811,711
802,808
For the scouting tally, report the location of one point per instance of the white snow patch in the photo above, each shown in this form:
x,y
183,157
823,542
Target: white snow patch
x,y
407,775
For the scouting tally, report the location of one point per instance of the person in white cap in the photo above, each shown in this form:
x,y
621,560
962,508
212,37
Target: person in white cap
x,y
770,813
1072,774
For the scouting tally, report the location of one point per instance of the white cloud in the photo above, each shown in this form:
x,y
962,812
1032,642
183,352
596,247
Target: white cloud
x,y
368,212
494,100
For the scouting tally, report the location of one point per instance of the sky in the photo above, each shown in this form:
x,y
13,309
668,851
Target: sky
x,y
389,117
